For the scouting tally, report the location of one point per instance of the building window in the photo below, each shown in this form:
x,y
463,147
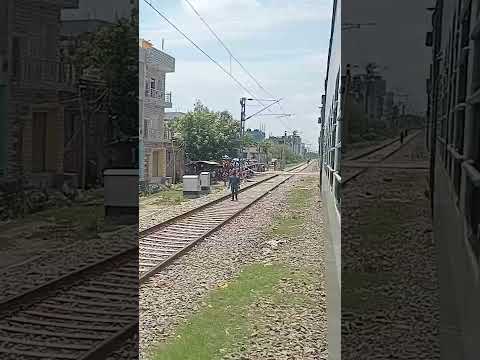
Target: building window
x,y
155,164
39,142
152,83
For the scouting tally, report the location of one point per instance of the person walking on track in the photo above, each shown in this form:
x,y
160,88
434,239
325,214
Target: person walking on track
x,y
234,184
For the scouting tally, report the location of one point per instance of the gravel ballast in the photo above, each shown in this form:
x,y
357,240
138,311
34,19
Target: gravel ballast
x,y
283,330
150,215
390,292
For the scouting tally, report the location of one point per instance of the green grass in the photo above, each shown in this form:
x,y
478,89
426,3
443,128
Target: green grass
x,y
290,165
172,196
169,197
301,197
290,223
222,324
361,291
286,226
305,277
91,219
359,294
382,221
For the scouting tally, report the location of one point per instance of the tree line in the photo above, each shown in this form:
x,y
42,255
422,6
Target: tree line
x,y
209,135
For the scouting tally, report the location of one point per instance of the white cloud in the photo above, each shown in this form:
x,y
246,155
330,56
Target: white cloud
x,y
300,83
237,19
290,72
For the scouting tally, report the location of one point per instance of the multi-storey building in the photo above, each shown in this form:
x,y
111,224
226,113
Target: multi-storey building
x,y
89,129
154,99
294,142
330,180
32,75
454,143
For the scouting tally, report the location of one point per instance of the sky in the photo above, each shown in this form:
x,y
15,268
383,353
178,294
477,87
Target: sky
x,y
396,43
282,43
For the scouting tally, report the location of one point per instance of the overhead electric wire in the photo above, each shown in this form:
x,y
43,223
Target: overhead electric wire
x,y
200,49
234,58
243,87
225,46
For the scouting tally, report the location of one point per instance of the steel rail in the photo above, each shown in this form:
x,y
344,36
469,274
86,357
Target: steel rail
x,y
389,154
84,314
189,244
73,315
173,219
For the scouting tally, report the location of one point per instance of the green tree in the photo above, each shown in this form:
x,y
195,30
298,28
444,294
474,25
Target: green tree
x,y
281,151
111,53
207,135
248,140
266,147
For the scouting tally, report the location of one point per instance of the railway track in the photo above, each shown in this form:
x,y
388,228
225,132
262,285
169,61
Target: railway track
x,y
375,157
144,219
165,242
83,315
91,310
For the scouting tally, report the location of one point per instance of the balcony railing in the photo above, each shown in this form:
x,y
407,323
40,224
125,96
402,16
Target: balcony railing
x,y
158,94
47,71
160,59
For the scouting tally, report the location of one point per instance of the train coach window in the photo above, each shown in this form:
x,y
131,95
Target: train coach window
x,y
475,137
462,78
459,131
476,64
473,209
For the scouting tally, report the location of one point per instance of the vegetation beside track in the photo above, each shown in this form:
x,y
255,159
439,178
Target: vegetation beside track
x,y
222,323
49,229
226,320
388,218
171,196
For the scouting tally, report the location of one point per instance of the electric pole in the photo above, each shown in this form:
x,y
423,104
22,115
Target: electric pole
x,y
242,124
243,118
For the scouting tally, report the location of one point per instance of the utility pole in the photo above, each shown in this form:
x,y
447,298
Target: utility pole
x,y
283,149
83,119
243,118
174,161
242,124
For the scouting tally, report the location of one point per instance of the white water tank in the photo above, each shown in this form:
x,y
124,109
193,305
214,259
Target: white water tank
x,y
205,181
191,185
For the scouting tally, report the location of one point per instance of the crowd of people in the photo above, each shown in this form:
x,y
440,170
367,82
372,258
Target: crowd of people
x,y
230,168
